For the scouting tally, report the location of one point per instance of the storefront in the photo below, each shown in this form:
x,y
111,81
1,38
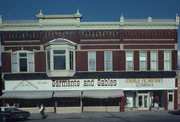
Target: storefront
x,y
91,93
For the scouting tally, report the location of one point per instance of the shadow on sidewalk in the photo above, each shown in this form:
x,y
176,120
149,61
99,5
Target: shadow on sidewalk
x,y
174,112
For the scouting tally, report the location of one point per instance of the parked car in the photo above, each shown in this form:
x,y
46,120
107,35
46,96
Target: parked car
x,y
12,113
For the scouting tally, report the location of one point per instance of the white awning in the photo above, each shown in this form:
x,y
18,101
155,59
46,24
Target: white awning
x,y
27,94
71,93
103,93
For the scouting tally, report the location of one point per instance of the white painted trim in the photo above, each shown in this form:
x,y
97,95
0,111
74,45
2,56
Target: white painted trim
x,y
148,39
151,44
21,41
96,44
100,40
128,24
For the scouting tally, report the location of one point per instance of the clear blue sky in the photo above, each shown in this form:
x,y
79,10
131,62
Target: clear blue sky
x,y
93,10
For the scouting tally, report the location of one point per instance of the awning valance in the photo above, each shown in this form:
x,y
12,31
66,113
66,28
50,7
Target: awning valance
x,y
103,93
71,93
27,94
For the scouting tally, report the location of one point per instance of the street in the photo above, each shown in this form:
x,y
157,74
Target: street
x,y
130,116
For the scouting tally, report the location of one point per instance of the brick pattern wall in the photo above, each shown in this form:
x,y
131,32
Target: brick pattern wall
x,y
99,40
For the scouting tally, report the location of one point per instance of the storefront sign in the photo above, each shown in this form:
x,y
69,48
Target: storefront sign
x,y
93,84
84,83
144,82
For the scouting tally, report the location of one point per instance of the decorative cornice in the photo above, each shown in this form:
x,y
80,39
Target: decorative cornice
x,y
122,24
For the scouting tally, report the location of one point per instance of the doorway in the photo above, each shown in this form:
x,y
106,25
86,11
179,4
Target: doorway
x,y
170,100
143,101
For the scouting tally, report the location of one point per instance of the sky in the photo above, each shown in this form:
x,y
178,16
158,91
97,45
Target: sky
x,y
92,10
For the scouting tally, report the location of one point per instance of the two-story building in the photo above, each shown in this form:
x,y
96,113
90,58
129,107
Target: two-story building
x,y
77,66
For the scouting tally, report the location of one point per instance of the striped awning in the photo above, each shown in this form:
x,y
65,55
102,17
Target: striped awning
x,y
67,93
27,94
102,94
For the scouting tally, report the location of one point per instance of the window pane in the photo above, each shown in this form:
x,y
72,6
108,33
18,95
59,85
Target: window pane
x,y
143,64
48,60
91,60
154,61
167,60
59,63
22,54
129,65
31,62
23,64
129,60
59,51
14,62
71,60
108,60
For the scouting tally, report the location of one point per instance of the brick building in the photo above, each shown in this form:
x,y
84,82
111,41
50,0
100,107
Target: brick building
x,y
90,66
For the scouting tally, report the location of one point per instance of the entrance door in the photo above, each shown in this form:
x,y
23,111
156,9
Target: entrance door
x,y
170,100
143,101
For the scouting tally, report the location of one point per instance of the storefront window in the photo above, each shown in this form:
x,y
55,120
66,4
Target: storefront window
x,y
157,99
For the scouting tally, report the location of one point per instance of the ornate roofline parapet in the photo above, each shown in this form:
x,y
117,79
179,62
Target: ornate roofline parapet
x,y
72,22
59,18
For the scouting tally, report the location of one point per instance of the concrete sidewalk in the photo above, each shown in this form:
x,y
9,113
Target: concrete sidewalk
x,y
103,114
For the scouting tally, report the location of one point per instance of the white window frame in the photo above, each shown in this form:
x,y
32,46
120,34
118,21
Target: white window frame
x,y
15,63
51,60
92,59
130,59
167,60
108,60
142,60
154,60
67,46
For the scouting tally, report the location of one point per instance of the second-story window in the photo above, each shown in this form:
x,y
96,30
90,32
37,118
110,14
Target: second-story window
x,y
108,60
129,60
59,59
167,60
154,60
71,60
22,61
48,60
142,60
91,61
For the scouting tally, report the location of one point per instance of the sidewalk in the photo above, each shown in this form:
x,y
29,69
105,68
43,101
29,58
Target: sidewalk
x,y
104,114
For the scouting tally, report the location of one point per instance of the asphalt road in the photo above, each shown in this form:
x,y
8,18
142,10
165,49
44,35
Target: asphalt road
x,y
135,116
